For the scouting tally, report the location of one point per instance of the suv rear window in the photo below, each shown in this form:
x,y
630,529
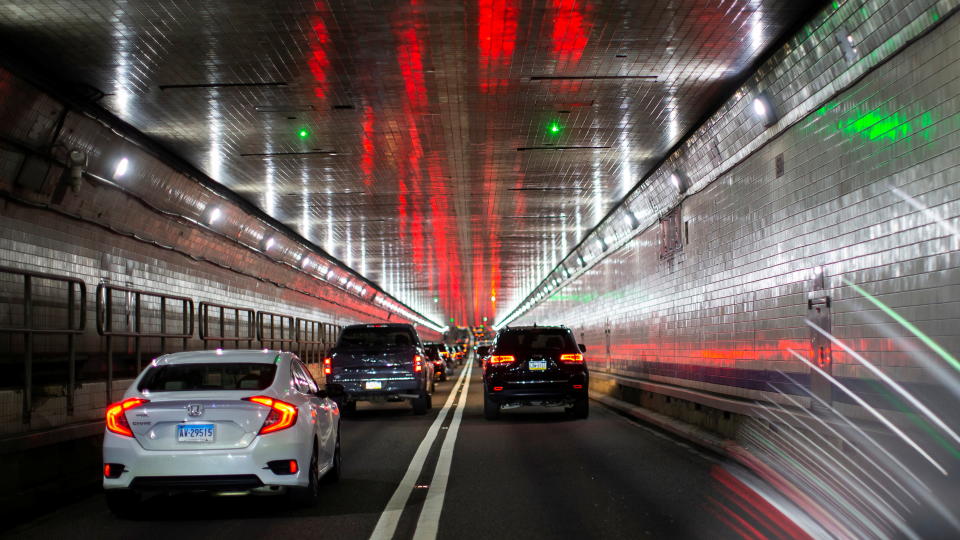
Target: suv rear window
x,y
547,339
388,336
213,376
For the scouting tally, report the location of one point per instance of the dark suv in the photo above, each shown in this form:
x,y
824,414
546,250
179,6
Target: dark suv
x,y
380,362
535,365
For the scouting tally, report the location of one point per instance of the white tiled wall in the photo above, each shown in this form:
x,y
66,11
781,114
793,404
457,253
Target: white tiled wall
x,y
736,296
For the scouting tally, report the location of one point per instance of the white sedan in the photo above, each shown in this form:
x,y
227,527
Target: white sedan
x,y
221,421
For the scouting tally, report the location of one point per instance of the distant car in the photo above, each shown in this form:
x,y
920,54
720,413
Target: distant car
x,y
535,365
381,362
441,367
221,421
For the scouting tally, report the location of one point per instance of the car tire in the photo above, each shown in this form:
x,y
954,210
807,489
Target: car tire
x,y
348,408
421,404
124,503
580,409
491,409
336,467
306,497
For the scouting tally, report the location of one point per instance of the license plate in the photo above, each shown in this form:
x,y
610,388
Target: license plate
x,y
195,432
373,385
537,365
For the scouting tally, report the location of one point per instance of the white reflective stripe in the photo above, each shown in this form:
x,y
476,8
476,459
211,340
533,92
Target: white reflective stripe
x,y
387,524
429,521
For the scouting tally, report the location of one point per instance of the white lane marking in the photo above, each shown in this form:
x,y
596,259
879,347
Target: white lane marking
x,y
429,521
387,524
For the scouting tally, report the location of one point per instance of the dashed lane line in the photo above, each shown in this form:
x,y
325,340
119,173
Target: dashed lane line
x,y
429,522
387,524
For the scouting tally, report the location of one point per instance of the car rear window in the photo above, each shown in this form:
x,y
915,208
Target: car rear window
x,y
536,340
433,351
376,337
213,376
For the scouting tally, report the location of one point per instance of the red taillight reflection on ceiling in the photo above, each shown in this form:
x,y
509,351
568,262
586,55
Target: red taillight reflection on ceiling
x,y
319,60
571,31
496,41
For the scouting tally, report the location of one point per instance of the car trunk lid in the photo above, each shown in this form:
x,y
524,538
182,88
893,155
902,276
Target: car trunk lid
x,y
196,420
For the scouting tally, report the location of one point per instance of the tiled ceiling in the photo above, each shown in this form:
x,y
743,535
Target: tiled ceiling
x,y
453,152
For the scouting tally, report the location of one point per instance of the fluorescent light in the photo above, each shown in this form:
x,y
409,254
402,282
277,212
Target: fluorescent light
x,y
122,167
764,109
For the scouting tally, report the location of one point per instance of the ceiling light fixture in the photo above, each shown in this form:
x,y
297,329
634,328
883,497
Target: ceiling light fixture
x,y
764,110
211,214
122,167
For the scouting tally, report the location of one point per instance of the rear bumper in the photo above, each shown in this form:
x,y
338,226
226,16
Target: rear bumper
x,y
559,394
225,470
390,388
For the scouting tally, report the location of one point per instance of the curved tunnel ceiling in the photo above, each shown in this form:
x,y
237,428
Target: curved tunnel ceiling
x,y
451,152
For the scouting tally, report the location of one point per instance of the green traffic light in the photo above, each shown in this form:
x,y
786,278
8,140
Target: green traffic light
x,y
303,133
555,128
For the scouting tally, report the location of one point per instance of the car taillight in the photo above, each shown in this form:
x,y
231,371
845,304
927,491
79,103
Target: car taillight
x,y
572,358
417,364
117,418
327,365
282,414
500,359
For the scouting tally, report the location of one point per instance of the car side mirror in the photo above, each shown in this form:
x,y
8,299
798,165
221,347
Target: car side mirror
x,y
583,348
482,351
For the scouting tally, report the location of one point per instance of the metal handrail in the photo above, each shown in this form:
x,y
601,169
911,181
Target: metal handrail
x,y
310,339
286,324
74,328
204,315
105,323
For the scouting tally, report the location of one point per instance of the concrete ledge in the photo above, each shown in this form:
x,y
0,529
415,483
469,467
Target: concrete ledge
x,y
28,441
789,414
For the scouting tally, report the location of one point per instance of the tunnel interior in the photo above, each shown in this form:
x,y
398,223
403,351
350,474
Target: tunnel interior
x,y
745,211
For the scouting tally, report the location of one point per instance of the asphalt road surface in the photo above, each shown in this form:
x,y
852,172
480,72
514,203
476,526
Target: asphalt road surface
x,y
533,473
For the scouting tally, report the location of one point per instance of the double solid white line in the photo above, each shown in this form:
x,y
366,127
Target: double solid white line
x,y
429,519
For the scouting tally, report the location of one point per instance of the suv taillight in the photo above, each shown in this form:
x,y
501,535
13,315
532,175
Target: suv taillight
x,y
572,358
282,414
500,359
327,365
417,364
117,417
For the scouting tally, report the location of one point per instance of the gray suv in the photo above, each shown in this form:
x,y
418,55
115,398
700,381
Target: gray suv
x,y
378,363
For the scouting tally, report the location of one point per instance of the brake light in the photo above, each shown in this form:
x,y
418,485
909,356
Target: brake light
x,y
327,365
572,358
578,387
417,364
497,388
117,418
501,359
282,414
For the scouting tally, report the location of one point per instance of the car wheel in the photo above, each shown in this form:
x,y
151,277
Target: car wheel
x,y
306,497
123,503
580,409
491,409
420,404
336,467
348,408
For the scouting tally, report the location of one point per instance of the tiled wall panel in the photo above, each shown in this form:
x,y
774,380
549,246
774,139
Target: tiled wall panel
x,y
108,234
721,315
